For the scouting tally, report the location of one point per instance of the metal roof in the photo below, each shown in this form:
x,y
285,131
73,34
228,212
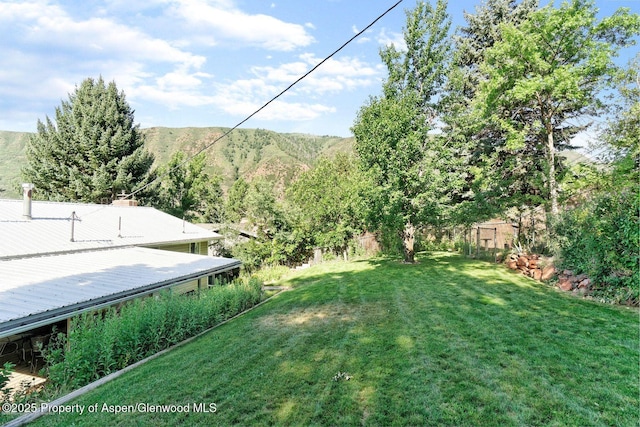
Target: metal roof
x,y
41,290
96,226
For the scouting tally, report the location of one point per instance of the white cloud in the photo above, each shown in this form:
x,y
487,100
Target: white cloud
x,y
332,76
159,52
391,38
221,19
58,51
244,96
173,98
278,110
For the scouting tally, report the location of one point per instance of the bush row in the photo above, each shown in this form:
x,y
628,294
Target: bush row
x,y
98,344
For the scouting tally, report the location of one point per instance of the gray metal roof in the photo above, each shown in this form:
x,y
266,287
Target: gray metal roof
x,y
97,226
41,290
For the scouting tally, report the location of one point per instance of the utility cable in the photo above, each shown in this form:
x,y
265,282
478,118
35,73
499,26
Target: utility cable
x,y
225,134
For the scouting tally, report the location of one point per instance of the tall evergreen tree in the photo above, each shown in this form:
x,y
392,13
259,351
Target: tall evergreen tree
x,y
495,179
92,152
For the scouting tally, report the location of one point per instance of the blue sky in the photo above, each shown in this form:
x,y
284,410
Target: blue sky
x,y
204,62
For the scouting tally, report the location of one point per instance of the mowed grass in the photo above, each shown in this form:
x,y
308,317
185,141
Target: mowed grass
x,y
448,341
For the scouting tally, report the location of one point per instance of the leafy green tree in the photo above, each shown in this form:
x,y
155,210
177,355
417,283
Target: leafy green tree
x,y
262,208
92,152
392,131
188,192
329,201
622,135
547,71
600,238
235,206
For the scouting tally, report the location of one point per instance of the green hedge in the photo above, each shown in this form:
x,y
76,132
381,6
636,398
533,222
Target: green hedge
x,y
99,344
601,239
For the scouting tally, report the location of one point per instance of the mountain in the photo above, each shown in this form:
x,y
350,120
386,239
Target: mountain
x,y
249,153
278,157
12,157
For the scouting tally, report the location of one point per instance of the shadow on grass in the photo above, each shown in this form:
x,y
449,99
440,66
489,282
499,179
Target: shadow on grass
x,y
495,345
447,341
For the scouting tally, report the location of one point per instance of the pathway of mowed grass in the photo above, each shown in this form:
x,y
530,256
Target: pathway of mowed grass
x,y
448,341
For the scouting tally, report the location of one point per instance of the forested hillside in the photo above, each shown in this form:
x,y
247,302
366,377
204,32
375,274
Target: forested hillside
x,y
244,152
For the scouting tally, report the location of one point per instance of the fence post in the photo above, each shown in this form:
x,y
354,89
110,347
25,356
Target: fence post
x,y
495,243
478,242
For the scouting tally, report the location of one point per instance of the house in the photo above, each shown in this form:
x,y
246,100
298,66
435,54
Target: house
x,y
58,260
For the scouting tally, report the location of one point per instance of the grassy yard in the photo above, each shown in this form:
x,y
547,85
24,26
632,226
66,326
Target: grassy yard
x,y
448,341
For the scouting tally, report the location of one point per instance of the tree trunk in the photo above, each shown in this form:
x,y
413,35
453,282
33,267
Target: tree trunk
x,y
408,239
553,186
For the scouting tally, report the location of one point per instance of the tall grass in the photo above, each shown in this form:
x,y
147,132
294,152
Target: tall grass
x,y
98,344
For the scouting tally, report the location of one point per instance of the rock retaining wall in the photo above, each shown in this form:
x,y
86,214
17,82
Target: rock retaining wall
x,y
532,266
543,269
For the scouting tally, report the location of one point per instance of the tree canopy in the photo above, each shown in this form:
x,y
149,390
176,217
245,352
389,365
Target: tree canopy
x,y
328,202
92,152
548,71
392,131
187,191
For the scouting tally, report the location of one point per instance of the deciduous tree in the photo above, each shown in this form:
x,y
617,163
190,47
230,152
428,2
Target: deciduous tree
x,y
548,70
622,135
392,131
328,201
188,191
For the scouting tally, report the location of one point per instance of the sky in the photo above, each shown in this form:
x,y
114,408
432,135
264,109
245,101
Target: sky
x,y
203,63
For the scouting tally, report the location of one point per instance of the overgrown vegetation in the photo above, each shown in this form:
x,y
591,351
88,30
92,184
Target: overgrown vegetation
x,y
98,344
446,341
601,239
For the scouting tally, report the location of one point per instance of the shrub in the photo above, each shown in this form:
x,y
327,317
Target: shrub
x,y
600,238
102,342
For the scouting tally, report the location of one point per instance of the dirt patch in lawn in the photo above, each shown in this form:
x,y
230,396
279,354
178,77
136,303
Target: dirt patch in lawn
x,y
308,316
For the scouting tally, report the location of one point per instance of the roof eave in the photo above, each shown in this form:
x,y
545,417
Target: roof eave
x,y
23,324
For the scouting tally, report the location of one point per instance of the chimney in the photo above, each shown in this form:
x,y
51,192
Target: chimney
x,y
125,202
26,194
122,200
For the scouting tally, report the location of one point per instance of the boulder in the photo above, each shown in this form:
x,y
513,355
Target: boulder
x,y
537,274
565,284
584,283
548,272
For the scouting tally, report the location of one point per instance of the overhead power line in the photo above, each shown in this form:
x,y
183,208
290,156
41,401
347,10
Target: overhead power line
x,y
225,134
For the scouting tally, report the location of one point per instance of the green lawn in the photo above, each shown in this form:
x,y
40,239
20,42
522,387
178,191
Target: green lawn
x,y
448,341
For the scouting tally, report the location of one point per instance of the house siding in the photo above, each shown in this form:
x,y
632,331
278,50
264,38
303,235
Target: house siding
x,y
201,248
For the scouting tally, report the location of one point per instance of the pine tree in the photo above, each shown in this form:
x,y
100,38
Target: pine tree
x,y
92,152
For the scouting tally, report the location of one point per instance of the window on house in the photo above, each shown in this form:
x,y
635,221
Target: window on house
x,y
194,248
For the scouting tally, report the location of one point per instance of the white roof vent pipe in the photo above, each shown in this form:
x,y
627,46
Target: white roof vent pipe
x,y
26,194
